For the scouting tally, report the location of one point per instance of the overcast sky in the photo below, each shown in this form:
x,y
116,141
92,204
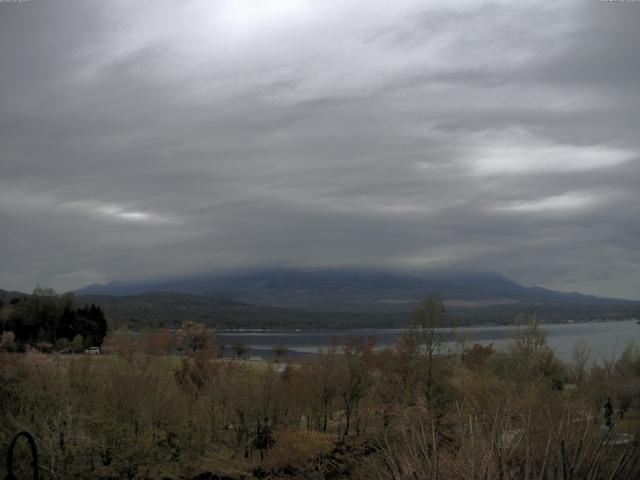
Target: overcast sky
x,y
151,138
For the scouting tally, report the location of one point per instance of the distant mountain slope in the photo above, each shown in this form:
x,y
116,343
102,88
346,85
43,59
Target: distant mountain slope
x,y
335,298
170,309
6,296
356,290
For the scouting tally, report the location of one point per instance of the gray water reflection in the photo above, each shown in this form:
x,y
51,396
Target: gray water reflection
x,y
606,339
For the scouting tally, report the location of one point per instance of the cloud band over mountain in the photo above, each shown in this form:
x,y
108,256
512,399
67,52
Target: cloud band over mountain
x,y
156,138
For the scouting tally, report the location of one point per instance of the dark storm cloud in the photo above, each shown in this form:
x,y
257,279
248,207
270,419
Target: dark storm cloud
x,y
153,139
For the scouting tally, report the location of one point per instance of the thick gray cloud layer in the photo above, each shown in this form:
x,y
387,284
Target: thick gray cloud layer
x,y
152,138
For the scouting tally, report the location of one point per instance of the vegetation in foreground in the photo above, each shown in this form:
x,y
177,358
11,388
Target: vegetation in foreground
x,y
414,410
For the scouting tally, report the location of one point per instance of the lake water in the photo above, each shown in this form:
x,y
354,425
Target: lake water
x,y
606,339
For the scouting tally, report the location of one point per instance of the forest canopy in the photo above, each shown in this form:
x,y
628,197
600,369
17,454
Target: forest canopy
x,y
51,321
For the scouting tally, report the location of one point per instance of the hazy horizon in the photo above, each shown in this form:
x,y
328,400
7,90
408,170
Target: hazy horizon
x,y
145,281
150,139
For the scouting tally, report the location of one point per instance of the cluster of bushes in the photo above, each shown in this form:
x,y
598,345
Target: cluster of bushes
x,y
49,322
420,409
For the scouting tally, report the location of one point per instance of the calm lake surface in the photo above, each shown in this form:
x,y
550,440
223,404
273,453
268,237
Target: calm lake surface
x,y
606,339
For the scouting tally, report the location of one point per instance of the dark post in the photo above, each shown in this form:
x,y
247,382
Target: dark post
x,y
608,413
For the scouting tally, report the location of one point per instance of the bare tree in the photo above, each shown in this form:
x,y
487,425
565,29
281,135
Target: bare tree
x,y
279,351
355,375
240,349
427,328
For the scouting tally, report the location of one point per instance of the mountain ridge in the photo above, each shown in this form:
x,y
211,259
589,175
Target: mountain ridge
x,y
336,298
345,289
